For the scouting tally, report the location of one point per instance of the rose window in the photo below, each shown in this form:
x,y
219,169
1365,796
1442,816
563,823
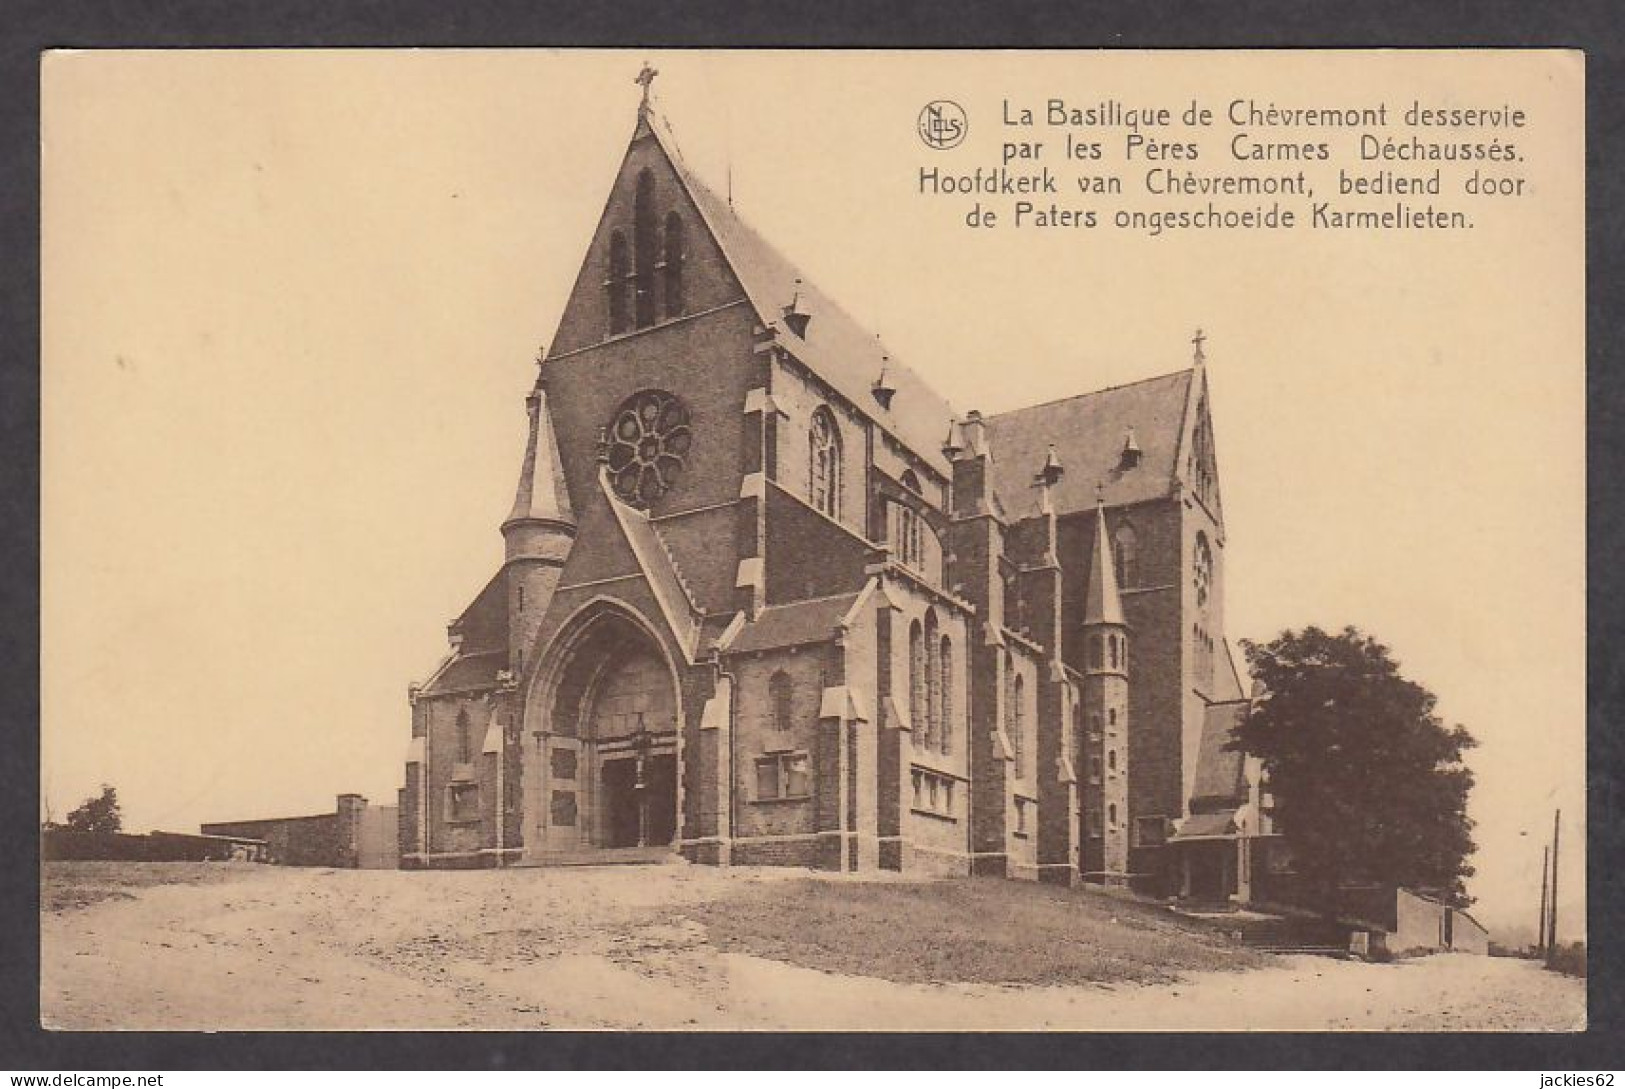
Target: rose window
x,y
648,442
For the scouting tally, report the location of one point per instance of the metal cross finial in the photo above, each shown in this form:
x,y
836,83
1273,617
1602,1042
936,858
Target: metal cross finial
x,y
541,355
1197,340
645,78
1100,492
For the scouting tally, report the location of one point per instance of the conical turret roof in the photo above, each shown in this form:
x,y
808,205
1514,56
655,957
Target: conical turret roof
x,y
1102,605
541,495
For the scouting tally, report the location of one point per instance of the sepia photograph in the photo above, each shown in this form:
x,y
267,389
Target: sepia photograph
x,y
864,541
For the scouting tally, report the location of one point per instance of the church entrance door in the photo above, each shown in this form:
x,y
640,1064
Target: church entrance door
x,y
662,785
623,816
608,747
639,812
634,737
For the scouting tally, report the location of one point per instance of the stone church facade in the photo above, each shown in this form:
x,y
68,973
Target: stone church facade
x,y
767,599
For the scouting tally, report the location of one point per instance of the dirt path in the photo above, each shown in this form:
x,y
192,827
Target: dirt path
x,y
611,948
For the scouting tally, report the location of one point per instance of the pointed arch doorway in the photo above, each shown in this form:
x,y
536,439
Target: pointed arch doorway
x,y
607,746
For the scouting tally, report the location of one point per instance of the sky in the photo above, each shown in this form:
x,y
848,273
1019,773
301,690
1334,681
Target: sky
x,y
292,302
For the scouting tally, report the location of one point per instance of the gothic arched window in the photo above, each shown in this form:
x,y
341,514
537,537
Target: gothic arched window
x,y
945,732
1010,708
618,283
645,247
916,682
1199,466
1202,569
933,683
1019,741
1125,554
673,270
824,463
779,696
910,537
465,739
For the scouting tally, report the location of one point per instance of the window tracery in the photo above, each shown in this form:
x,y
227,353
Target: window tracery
x,y
1018,740
1125,555
648,442
933,684
645,247
1202,569
780,696
672,266
824,463
618,284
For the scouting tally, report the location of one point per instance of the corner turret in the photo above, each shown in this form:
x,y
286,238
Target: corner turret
x,y
1105,698
1102,605
537,533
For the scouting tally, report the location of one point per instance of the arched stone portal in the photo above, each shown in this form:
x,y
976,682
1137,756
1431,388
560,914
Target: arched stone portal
x,y
604,741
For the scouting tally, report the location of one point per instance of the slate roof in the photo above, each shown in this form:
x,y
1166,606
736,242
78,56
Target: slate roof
x,y
712,628
792,625
468,672
836,346
1206,826
542,493
1228,682
1101,601
656,562
1220,776
1088,432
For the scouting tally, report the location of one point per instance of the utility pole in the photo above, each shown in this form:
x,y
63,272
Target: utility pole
x,y
1551,911
1540,931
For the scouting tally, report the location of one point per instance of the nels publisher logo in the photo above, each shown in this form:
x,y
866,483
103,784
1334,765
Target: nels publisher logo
x,y
943,124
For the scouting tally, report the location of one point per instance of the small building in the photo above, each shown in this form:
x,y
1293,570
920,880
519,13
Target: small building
x,y
1467,934
354,836
1424,924
1406,922
1227,848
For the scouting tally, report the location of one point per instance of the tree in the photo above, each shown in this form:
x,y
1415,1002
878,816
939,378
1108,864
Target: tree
x,y
1368,783
99,815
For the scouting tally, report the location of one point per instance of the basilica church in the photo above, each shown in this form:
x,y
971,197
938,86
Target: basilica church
x,y
767,598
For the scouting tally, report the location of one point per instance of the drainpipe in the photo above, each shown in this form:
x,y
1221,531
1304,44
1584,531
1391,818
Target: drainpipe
x,y
733,715
501,811
423,790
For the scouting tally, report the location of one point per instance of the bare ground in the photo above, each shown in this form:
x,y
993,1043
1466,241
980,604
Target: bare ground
x,y
248,947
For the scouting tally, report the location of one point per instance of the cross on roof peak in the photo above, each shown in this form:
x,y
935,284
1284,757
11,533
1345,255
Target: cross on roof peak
x,y
1199,339
645,78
